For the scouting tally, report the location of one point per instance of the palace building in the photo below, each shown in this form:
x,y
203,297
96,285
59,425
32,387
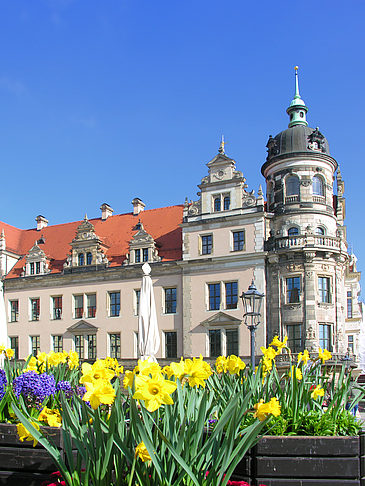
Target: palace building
x,y
77,285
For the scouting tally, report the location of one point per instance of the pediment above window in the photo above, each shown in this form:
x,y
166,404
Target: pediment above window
x,y
82,327
221,319
142,248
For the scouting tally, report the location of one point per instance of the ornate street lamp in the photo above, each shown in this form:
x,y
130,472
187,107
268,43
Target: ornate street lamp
x,y
252,301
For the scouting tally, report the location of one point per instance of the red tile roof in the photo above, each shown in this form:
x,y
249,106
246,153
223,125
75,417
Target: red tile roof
x,y
163,224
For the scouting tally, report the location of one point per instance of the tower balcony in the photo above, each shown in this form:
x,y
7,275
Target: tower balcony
x,y
303,241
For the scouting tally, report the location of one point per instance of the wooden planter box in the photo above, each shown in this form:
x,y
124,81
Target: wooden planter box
x,y
20,462
305,461
274,461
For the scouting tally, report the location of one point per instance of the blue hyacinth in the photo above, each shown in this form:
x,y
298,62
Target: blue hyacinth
x,y
33,387
65,387
3,383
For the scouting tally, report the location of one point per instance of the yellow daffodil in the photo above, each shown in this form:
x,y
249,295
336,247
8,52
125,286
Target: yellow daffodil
x,y
220,364
269,353
279,344
32,365
147,367
266,364
197,371
128,379
298,373
2,348
317,392
24,434
9,353
142,452
96,371
100,391
324,355
154,390
303,357
263,410
178,369
73,360
50,417
235,364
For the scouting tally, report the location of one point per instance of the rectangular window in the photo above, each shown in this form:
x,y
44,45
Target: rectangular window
x,y
145,254
137,294
79,306
324,288
350,343
114,345
34,309
231,295
14,310
57,344
114,298
79,345
238,240
31,268
170,344
295,338
207,244
91,346
292,290
137,256
35,345
57,307
349,304
232,342
14,345
325,336
214,296
38,267
170,301
214,343
91,305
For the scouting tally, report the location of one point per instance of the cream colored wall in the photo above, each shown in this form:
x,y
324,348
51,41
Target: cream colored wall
x,y
222,240
126,323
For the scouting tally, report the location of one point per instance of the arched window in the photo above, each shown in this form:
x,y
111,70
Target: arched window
x,y
217,204
318,186
320,231
89,258
226,203
293,231
292,186
81,259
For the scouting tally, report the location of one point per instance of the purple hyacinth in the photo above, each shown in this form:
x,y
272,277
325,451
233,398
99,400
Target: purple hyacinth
x,y
65,387
3,383
34,387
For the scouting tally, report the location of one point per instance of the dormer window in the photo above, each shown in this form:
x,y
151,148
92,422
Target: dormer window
x,y
36,262
145,254
142,248
81,259
137,255
89,258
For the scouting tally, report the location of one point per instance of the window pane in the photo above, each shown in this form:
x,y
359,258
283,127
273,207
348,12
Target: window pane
x,y
324,289
214,343
292,290
14,345
114,304
217,203
38,267
226,203
145,254
57,307
137,256
14,310
137,294
349,304
91,346
292,186
318,186
81,259
295,340
214,296
232,342
79,306
293,231
79,346
170,344
114,346
207,244
35,308
231,295
325,340
57,344
238,240
89,258
170,301
91,305
35,345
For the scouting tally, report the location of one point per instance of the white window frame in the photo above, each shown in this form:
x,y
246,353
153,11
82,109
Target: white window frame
x,y
223,330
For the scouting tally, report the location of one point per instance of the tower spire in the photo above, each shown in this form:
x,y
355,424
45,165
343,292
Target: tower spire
x,y
297,109
221,146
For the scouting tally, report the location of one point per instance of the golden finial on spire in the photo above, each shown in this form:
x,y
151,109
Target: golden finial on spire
x,y
221,146
296,68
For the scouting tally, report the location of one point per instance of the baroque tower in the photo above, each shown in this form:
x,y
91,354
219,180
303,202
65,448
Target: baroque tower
x,y
307,249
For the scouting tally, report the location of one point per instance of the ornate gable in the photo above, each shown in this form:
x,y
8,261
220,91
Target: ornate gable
x,y
36,262
221,319
87,248
82,327
142,247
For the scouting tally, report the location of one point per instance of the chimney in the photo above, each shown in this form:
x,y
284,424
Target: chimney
x,y
42,222
106,211
138,206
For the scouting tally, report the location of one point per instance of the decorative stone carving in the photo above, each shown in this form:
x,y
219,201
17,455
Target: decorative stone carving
x,y
86,242
248,199
310,334
309,255
194,208
309,274
305,182
316,141
36,261
272,147
141,241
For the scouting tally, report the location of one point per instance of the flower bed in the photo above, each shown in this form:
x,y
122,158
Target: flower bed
x,y
171,426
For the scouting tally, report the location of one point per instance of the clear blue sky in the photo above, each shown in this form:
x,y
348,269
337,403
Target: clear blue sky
x,y
103,101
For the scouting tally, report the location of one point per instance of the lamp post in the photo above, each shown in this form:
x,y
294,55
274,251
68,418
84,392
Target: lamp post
x,y
252,301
